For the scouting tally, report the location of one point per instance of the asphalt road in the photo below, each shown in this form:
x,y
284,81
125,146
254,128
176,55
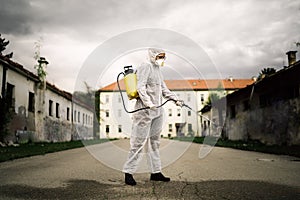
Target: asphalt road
x,y
223,174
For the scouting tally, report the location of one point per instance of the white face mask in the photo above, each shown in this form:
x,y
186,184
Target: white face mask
x,y
160,62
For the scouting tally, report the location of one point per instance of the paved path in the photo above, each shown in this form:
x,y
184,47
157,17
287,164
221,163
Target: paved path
x,y
223,174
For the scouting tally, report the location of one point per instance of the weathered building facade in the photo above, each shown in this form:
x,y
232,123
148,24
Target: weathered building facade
x,y
268,110
41,111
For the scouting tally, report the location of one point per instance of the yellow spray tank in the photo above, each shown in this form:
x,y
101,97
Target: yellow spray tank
x,y
130,81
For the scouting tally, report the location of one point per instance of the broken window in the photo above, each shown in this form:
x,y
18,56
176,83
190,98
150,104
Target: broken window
x,y
68,113
10,94
50,108
31,102
107,129
120,128
57,110
246,105
232,111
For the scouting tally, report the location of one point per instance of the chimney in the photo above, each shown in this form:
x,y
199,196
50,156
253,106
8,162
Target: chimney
x,y
291,57
230,78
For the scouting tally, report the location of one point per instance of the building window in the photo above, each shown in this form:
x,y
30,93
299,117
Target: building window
x,y
120,128
189,113
68,113
107,129
188,97
119,99
178,112
119,113
31,102
106,98
57,110
190,128
232,111
170,128
246,105
170,112
10,93
83,118
86,119
78,117
50,108
202,98
107,113
74,116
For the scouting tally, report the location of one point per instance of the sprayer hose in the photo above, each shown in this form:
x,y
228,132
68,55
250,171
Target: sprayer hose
x,y
133,111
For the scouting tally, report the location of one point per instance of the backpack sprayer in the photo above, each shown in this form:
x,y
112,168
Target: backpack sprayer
x,y
130,81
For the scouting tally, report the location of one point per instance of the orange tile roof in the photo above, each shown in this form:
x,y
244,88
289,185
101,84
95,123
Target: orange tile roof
x,y
193,84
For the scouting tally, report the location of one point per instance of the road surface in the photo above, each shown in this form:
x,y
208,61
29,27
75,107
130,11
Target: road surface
x,y
223,174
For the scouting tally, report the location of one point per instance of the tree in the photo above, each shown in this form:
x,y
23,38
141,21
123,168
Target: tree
x,y
5,110
41,71
5,117
215,95
266,72
3,45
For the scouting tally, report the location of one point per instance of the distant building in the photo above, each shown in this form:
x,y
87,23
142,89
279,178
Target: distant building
x,y
41,113
116,123
268,110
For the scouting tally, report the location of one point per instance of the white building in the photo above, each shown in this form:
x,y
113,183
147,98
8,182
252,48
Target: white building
x,y
41,111
116,123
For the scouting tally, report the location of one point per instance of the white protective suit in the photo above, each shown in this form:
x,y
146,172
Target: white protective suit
x,y
147,124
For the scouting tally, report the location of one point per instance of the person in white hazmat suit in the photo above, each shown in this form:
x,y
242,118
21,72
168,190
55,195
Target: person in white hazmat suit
x,y
147,124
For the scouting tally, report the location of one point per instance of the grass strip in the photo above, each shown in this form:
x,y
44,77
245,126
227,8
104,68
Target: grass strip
x,y
250,145
32,149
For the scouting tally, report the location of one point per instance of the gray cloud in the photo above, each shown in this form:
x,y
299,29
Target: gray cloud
x,y
15,17
240,37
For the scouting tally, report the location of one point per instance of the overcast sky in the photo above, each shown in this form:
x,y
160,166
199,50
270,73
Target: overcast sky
x,y
239,36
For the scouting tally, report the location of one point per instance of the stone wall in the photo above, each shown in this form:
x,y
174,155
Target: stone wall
x,y
275,124
57,131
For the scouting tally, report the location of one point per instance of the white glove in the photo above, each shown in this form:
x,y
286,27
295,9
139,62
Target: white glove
x,y
153,107
179,103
